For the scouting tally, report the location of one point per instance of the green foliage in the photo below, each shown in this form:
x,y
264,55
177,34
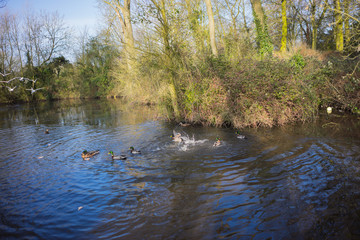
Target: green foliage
x,y
248,92
94,68
263,41
297,61
191,100
218,66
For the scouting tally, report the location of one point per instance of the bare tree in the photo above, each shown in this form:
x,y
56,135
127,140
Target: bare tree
x,y
55,35
80,50
123,15
10,53
211,27
310,15
45,35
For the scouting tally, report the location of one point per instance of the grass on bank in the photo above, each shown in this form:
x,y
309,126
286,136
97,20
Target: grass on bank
x,y
242,91
253,92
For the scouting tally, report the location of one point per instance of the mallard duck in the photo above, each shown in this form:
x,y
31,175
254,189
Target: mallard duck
x,y
47,131
177,138
217,143
133,151
120,157
87,155
239,135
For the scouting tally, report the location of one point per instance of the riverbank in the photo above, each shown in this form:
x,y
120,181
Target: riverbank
x,y
268,92
246,92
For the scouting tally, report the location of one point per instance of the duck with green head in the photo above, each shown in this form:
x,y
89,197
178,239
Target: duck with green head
x,y
133,151
240,135
87,155
116,157
217,143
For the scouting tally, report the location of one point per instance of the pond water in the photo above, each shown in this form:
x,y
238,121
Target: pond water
x,y
295,182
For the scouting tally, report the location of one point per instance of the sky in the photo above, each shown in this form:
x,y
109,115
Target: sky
x,y
76,13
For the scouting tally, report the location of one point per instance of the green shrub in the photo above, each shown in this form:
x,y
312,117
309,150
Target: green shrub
x,y
297,61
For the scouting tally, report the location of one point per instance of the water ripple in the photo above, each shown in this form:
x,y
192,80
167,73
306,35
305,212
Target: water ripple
x,y
279,183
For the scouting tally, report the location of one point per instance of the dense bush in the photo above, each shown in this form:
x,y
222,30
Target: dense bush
x,y
267,92
215,91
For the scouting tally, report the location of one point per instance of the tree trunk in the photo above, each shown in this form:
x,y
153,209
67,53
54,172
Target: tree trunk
x,y
124,17
284,26
245,23
313,26
127,18
339,27
262,35
347,21
211,27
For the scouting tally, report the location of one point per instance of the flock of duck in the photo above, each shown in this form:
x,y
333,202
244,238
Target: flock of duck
x,y
176,137
87,155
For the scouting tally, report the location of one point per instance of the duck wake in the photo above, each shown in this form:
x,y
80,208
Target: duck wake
x,y
188,142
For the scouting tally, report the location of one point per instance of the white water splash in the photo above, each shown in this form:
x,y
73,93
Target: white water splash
x,y
189,142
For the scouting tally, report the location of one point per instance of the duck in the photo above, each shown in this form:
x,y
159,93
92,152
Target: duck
x,y
47,131
239,135
114,157
87,155
177,138
133,151
217,143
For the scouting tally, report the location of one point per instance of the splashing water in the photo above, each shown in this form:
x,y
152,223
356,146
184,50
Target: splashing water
x,y
188,142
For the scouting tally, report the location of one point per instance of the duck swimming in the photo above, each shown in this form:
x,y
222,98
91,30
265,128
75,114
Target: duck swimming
x,y
47,131
177,137
133,151
217,143
114,157
87,155
239,135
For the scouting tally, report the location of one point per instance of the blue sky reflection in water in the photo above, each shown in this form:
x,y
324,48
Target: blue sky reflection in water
x,y
293,182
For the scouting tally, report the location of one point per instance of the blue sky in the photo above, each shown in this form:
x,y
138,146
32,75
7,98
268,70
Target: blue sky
x,y
76,13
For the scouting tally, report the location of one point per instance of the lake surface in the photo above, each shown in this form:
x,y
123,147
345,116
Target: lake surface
x,y
296,182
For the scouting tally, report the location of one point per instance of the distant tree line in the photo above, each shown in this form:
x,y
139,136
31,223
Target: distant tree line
x,y
34,46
